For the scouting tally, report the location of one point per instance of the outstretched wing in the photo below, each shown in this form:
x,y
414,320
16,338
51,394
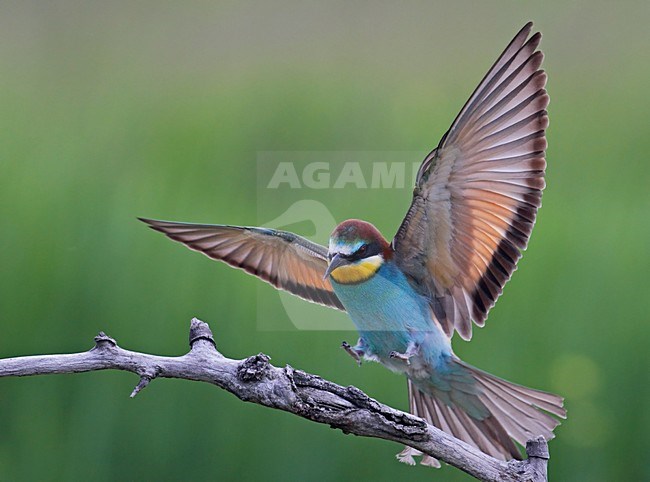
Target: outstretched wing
x,y
283,259
477,194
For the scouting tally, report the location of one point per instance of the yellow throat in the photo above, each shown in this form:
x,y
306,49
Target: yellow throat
x,y
358,272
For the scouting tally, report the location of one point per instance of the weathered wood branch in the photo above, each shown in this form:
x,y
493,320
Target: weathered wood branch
x,y
309,396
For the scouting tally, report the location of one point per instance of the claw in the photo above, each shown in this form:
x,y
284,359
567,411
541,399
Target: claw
x,y
400,356
353,352
411,350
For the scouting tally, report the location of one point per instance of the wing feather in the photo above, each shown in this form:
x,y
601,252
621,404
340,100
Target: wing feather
x,y
285,260
477,194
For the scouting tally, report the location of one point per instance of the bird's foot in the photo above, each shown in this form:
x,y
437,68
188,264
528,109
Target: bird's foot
x,y
401,356
353,351
411,350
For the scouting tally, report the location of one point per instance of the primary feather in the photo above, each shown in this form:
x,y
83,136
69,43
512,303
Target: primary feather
x,y
285,260
477,193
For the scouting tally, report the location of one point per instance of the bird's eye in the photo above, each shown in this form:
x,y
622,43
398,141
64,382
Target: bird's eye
x,y
362,249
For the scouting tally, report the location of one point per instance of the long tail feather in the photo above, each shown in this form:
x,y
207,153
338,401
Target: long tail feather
x,y
514,414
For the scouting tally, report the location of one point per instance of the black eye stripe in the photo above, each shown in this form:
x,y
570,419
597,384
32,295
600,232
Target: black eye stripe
x,y
364,251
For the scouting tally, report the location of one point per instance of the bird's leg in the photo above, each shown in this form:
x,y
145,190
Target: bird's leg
x,y
355,351
411,350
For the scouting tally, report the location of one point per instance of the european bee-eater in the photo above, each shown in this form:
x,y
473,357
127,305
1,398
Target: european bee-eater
x,y
473,209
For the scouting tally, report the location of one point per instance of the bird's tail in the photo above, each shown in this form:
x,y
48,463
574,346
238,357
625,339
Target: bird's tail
x,y
483,410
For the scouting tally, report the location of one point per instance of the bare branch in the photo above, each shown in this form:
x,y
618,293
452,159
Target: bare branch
x,y
309,396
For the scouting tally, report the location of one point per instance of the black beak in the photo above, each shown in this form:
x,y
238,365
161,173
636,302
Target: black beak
x,y
335,262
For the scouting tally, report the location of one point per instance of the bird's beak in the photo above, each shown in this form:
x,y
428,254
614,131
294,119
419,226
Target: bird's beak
x,y
336,261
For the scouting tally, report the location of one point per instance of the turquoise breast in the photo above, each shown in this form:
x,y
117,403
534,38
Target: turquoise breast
x,y
389,315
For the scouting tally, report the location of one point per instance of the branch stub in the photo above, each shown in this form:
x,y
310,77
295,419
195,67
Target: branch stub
x,y
102,338
537,448
200,330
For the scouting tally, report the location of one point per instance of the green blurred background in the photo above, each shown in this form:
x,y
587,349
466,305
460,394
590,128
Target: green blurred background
x,y
112,110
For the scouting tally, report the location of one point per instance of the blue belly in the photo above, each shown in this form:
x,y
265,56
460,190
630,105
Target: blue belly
x,y
389,316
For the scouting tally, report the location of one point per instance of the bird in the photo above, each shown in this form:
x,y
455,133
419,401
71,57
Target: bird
x,y
473,208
